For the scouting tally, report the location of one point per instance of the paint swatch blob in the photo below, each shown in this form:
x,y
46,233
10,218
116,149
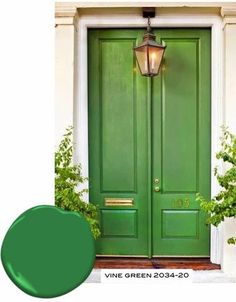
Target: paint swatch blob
x,y
47,252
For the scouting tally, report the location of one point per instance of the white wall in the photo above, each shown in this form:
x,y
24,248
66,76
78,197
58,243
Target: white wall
x,y
230,76
229,226
64,78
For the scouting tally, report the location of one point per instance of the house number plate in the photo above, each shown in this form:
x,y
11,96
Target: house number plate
x,y
181,203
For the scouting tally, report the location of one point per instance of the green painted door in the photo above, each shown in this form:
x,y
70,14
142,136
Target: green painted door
x,y
149,143
118,142
181,144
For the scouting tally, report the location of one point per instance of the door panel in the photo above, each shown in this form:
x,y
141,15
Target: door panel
x,y
119,223
179,115
181,143
142,130
117,142
180,218
118,159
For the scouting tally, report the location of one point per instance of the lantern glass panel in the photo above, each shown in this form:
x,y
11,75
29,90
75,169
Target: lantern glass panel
x,y
142,58
155,57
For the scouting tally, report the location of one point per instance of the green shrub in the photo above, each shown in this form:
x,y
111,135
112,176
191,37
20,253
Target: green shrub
x,y
224,203
67,178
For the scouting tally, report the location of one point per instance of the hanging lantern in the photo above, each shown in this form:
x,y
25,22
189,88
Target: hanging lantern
x,y
149,54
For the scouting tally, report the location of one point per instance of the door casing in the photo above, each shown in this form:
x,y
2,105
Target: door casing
x,y
176,19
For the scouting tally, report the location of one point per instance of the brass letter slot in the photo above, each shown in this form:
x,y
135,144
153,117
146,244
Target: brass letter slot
x,y
118,202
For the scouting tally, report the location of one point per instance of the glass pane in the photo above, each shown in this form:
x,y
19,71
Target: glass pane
x,y
141,55
155,56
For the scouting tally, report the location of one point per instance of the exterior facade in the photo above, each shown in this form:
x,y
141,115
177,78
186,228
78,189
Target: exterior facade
x,y
205,37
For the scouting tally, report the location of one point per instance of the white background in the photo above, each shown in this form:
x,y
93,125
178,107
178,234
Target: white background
x,y
27,149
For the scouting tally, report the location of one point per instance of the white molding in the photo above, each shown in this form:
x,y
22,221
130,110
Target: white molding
x,y
217,120
228,11
64,21
65,9
144,3
135,20
229,14
65,13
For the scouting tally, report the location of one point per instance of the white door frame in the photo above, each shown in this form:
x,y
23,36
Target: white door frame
x,y
165,20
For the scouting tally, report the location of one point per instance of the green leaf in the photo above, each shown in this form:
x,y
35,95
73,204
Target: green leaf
x,y
224,203
68,176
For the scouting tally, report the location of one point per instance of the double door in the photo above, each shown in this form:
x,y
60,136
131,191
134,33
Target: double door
x,y
149,143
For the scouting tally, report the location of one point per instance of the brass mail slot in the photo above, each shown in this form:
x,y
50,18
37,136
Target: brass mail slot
x,y
118,202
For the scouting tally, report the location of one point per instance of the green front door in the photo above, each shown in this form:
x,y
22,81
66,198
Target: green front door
x,y
149,143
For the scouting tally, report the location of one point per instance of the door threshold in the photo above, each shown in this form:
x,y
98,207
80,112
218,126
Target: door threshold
x,y
156,263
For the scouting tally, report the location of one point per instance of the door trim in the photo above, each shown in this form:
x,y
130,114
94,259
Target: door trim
x,y
80,118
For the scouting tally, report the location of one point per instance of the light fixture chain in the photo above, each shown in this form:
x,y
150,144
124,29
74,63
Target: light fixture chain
x,y
149,25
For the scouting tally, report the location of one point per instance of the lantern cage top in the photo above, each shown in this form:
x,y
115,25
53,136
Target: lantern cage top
x,y
149,53
149,39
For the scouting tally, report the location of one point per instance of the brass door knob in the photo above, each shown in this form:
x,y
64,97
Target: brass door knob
x,y
157,189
